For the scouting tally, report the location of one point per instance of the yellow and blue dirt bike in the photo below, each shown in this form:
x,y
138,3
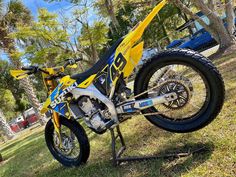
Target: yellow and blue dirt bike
x,y
178,90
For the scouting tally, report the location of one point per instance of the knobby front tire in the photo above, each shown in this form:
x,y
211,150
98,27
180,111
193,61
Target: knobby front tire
x,y
80,136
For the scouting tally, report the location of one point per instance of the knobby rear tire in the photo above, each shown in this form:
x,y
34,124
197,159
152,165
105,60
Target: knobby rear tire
x,y
200,63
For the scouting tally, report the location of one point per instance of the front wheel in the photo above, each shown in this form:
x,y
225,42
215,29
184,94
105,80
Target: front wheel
x,y
196,81
74,149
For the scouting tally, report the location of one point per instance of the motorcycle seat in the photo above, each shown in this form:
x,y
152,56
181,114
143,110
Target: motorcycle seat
x,y
100,64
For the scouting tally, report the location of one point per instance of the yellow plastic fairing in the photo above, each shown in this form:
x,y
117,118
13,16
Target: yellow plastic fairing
x,y
131,47
87,82
53,71
44,109
19,74
67,81
74,66
135,55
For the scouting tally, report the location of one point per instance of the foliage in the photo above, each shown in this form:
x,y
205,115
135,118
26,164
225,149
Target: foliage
x,y
11,14
49,41
71,1
7,103
12,91
96,32
159,30
45,39
93,37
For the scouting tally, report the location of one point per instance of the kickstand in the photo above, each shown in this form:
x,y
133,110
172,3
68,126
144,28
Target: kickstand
x,y
117,158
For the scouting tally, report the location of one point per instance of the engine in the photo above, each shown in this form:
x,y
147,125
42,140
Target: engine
x,y
96,115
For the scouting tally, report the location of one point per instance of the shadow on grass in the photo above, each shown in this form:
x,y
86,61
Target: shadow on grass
x,y
178,167
157,167
34,158
31,154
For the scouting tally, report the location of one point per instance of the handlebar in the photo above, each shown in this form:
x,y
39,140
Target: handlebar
x,y
30,68
35,69
71,61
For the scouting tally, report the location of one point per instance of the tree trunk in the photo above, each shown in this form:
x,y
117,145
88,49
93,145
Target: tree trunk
x,y
230,16
164,30
185,18
111,12
28,88
5,127
216,27
94,52
216,24
9,47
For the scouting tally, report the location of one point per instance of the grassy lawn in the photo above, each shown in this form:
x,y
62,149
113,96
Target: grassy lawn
x,y
28,155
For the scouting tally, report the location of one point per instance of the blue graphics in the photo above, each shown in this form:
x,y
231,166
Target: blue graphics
x,y
60,107
146,103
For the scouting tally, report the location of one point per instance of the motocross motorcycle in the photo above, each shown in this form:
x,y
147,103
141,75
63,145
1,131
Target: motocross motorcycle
x,y
178,90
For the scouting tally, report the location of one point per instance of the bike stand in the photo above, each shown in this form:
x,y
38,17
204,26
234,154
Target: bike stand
x,y
117,158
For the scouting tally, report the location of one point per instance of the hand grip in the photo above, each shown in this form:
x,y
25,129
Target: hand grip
x,y
71,61
29,68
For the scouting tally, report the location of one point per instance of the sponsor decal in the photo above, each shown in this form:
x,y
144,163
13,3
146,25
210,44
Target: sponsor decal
x,y
146,103
117,66
60,98
129,108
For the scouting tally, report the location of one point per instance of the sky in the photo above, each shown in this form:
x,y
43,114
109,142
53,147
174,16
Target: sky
x,y
33,5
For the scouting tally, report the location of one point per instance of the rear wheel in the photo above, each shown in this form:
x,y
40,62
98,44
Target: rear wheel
x,y
75,147
193,78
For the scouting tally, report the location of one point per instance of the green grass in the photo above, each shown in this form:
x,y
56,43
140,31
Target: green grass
x,y
28,156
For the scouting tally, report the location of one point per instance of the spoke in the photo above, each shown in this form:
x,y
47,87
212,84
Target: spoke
x,y
158,85
183,72
181,96
196,78
175,87
195,106
178,103
200,95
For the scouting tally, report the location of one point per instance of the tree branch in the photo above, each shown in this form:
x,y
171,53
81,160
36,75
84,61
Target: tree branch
x,y
187,11
211,5
230,16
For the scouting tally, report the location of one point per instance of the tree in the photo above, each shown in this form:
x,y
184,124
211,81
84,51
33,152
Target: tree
x,y
4,126
107,7
222,33
18,93
45,41
14,13
52,41
93,37
157,35
7,103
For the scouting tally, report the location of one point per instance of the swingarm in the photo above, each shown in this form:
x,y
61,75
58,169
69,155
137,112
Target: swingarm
x,y
138,105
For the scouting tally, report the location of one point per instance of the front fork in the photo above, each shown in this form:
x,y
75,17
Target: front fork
x,y
50,84
57,126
